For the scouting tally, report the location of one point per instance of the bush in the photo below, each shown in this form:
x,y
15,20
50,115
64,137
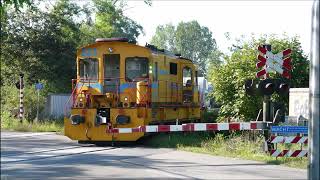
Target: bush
x,y
10,123
10,101
211,115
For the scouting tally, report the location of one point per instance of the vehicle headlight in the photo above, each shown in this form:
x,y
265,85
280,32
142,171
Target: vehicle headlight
x,y
122,119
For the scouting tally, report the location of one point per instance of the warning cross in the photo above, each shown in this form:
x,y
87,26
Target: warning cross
x,y
269,62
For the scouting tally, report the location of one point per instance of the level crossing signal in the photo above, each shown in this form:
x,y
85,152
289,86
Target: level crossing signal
x,y
269,62
249,87
266,87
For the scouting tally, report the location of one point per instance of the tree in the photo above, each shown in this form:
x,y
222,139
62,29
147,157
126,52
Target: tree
x,y
164,38
228,78
41,45
16,3
191,40
110,22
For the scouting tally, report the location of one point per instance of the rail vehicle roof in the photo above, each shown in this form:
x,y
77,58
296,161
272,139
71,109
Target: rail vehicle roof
x,y
150,47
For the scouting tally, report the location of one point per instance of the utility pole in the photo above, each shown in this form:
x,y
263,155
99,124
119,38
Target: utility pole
x,y
314,121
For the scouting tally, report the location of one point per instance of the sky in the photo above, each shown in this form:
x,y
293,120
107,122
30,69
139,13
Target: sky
x,y
236,17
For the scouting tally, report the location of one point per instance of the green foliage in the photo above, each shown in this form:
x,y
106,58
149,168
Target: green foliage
x,y
228,78
4,4
10,101
109,22
10,123
191,40
210,116
164,37
42,45
175,140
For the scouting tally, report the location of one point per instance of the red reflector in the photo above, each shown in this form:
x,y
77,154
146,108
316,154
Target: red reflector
x,y
261,73
212,127
261,58
234,126
188,127
262,50
286,52
260,64
253,125
163,128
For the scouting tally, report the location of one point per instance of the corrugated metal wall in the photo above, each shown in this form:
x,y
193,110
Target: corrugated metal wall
x,y
55,106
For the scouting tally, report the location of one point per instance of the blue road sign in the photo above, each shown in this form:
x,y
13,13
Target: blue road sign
x,y
289,129
39,86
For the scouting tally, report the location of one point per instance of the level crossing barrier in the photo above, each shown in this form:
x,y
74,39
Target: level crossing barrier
x,y
190,127
286,138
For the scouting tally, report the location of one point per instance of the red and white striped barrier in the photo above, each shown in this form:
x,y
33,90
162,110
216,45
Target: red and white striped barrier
x,y
193,127
289,153
289,139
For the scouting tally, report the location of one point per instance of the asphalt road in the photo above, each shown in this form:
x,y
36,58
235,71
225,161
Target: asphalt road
x,y
51,156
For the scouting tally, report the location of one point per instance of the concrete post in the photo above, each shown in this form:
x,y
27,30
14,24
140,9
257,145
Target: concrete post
x,y
314,121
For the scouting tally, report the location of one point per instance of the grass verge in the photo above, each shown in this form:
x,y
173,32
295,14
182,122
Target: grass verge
x,y
8,123
242,146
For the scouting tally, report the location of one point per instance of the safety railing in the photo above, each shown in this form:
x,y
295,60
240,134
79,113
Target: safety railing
x,y
167,91
174,91
118,83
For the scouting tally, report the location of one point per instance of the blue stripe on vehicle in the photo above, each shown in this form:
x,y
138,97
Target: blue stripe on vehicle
x,y
154,85
125,86
89,52
95,52
163,72
92,85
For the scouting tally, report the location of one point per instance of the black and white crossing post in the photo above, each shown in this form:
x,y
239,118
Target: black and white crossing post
x,y
21,108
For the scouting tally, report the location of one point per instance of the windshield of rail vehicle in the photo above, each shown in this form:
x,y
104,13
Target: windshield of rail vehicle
x,y
88,69
136,68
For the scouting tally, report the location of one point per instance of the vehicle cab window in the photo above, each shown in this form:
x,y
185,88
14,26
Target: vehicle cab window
x,y
88,69
137,68
187,77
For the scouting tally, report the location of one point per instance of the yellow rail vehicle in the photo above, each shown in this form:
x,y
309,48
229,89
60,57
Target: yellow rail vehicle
x,y
123,85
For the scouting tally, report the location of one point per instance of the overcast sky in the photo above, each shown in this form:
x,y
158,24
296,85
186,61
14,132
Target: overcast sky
x,y
236,17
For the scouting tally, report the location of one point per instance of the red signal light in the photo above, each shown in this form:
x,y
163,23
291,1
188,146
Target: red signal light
x,y
266,87
282,89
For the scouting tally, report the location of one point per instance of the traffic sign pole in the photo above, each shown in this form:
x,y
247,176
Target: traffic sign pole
x,y
38,86
38,91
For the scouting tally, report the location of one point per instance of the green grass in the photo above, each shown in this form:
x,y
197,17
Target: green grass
x,y
241,146
8,123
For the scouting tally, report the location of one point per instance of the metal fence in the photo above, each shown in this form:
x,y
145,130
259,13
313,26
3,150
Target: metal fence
x,y
55,105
